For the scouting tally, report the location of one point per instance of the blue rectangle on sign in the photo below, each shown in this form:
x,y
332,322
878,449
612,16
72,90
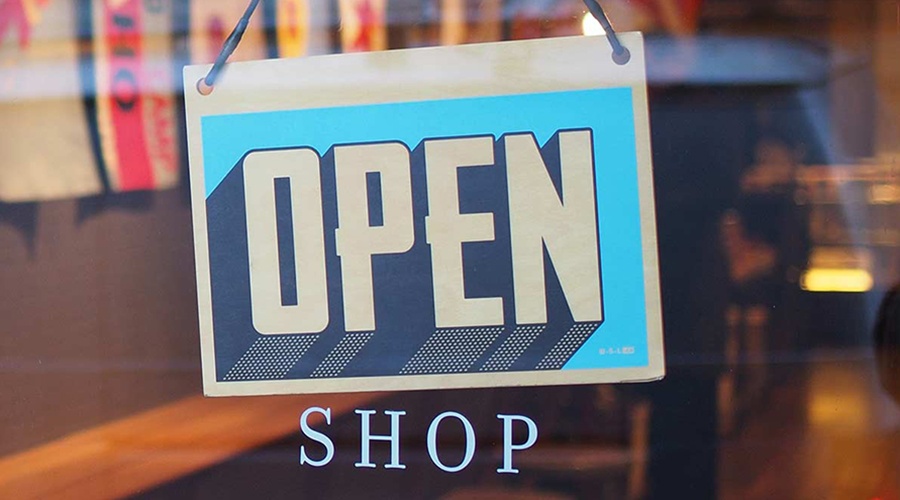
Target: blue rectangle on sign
x,y
408,332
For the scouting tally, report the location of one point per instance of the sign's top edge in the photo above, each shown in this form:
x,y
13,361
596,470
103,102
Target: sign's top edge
x,y
562,63
626,37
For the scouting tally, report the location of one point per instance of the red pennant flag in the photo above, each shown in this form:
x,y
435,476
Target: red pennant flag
x,y
363,25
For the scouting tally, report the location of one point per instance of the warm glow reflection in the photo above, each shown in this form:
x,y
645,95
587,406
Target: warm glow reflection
x,y
590,26
838,410
837,280
840,398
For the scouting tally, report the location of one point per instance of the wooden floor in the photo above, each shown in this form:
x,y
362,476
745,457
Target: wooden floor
x,y
130,455
826,431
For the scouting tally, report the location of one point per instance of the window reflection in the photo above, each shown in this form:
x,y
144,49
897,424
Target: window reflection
x,y
776,148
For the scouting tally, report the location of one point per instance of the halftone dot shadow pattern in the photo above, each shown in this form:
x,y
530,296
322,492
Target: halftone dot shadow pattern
x,y
452,350
512,348
270,357
347,349
567,345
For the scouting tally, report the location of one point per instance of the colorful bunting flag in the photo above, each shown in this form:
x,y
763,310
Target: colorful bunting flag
x,y
291,27
363,25
211,21
44,137
133,83
465,21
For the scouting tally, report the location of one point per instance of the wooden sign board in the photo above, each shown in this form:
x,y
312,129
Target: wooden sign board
x,y
469,216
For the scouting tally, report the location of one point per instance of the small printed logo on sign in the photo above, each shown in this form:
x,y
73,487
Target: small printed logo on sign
x,y
475,240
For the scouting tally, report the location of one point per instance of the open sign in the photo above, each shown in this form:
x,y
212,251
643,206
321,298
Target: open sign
x,y
381,221
502,234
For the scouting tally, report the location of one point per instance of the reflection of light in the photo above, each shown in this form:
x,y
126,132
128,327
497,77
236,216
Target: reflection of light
x,y
884,194
838,410
590,26
836,280
840,397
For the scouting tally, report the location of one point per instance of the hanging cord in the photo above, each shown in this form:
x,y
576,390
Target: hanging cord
x,y
620,54
205,86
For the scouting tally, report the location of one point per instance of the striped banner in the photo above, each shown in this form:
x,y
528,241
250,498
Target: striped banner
x,y
45,147
134,101
363,25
